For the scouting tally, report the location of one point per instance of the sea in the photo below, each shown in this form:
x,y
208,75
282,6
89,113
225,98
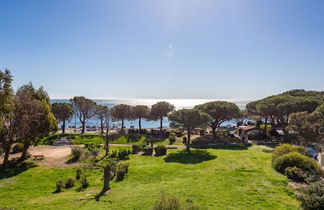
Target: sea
x,y
178,103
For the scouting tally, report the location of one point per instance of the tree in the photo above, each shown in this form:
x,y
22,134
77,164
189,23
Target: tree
x,y
63,112
102,112
159,110
33,116
220,111
189,119
308,127
121,112
139,112
7,122
84,109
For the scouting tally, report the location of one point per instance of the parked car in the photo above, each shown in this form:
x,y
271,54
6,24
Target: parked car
x,y
312,151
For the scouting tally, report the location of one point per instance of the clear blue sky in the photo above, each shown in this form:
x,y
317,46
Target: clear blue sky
x,y
164,48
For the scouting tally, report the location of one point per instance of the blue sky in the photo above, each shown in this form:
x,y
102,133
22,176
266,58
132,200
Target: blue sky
x,y
213,49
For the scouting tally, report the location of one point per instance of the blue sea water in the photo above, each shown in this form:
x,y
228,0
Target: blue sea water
x,y
178,103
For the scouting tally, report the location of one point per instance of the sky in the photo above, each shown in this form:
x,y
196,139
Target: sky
x,y
168,49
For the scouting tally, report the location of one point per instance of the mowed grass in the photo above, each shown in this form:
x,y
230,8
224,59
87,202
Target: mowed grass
x,y
238,178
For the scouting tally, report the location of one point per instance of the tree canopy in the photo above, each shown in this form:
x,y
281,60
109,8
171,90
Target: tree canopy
x,y
83,108
160,110
63,112
220,111
189,119
139,112
121,112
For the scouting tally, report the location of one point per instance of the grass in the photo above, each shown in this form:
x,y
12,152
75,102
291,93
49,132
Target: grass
x,y
215,178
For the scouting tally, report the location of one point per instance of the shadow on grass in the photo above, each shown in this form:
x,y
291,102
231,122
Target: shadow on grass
x,y
195,156
10,172
225,146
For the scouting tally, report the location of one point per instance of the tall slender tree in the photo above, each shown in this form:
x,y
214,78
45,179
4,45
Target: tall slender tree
x,y
121,112
189,119
7,122
84,109
139,112
160,110
63,112
220,111
102,112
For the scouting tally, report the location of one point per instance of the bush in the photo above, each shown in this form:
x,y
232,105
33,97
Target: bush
x,y
69,182
135,149
147,151
172,138
123,154
120,175
17,148
312,196
283,149
295,174
60,184
84,182
78,173
172,202
160,150
184,140
123,166
295,159
76,152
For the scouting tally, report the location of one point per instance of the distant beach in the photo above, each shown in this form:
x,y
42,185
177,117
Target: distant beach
x,y
178,103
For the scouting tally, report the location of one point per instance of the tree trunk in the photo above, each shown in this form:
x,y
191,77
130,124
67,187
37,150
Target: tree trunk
x,y
63,127
122,125
83,127
214,132
188,141
265,126
6,156
24,152
140,124
107,145
161,119
101,126
106,186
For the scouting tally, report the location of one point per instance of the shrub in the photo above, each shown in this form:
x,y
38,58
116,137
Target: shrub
x,y
120,175
295,174
69,182
76,152
295,159
135,149
123,154
283,149
172,138
123,166
78,173
160,150
147,151
60,184
17,148
172,202
84,182
312,196
184,140
113,154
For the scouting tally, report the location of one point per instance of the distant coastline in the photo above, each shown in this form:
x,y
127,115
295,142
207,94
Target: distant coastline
x,y
178,103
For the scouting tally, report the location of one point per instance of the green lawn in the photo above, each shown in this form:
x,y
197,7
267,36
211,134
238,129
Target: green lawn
x,y
228,178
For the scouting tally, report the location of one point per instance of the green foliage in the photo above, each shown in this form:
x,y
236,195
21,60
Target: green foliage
x,y
84,181
136,149
312,196
172,202
60,184
78,173
283,149
123,154
121,170
160,150
147,151
295,174
69,182
17,148
76,152
295,159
